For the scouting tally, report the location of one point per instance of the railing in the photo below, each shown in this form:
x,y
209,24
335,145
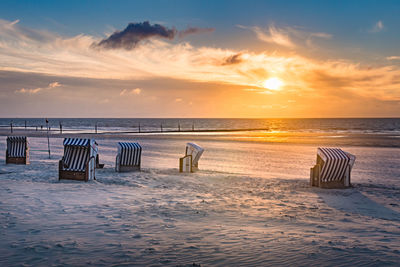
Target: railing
x,y
134,129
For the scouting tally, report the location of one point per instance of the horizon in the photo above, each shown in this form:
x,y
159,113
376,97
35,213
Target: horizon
x,y
164,59
201,118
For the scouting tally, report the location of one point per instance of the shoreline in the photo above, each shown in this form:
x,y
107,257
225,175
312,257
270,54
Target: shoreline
x,y
305,138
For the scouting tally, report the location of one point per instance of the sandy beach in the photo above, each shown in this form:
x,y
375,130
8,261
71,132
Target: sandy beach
x,y
267,93
249,205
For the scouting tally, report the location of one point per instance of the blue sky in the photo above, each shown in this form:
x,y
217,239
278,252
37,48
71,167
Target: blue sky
x,y
349,21
346,47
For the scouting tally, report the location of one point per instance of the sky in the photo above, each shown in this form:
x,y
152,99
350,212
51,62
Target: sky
x,y
200,59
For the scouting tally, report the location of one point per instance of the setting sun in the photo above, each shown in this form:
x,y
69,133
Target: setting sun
x,y
273,83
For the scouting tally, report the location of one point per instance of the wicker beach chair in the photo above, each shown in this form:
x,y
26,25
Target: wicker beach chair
x,y
79,160
333,168
128,157
190,162
17,150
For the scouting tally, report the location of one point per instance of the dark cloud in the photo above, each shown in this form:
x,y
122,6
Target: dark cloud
x,y
134,33
194,30
233,59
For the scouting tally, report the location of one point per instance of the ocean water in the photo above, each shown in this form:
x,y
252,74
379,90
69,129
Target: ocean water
x,y
345,125
371,132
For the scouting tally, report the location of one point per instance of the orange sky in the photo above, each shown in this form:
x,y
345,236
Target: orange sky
x,y
47,74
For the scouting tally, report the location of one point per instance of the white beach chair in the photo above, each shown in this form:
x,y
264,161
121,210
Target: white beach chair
x,y
190,162
17,150
79,160
333,168
128,157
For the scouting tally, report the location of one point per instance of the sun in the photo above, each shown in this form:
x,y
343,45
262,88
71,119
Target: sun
x,y
273,83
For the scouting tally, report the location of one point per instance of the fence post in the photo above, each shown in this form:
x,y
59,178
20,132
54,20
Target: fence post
x,y
25,125
11,126
95,127
48,140
60,128
193,127
179,127
161,128
139,127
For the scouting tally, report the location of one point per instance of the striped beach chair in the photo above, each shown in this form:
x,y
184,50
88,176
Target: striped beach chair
x,y
17,150
333,168
190,162
79,160
128,157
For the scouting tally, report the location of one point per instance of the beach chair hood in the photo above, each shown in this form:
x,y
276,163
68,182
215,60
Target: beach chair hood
x,y
195,151
77,152
129,153
334,163
17,146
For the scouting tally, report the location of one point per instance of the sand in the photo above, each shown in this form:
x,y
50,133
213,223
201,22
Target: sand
x,y
249,205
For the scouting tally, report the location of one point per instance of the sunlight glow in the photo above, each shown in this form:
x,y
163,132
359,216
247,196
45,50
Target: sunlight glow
x,y
273,83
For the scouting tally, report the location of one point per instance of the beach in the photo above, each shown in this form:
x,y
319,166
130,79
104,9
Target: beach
x,y
199,133
250,204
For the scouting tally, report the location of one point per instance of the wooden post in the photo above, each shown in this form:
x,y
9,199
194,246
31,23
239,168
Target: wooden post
x,y
48,140
193,127
161,128
11,126
95,127
139,127
60,128
179,127
36,128
25,125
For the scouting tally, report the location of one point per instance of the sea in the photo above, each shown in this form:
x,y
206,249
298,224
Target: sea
x,y
376,132
339,125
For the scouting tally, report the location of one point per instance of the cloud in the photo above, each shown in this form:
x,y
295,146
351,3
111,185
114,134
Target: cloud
x,y
54,85
59,56
378,27
322,35
289,37
29,91
194,30
178,99
272,35
393,58
136,91
37,90
233,59
134,33
14,22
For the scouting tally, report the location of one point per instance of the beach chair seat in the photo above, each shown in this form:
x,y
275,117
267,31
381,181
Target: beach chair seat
x,y
79,160
333,168
17,151
128,157
190,162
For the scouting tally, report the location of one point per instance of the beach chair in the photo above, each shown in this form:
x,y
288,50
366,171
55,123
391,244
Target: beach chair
x,y
17,150
190,162
333,168
79,160
128,157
